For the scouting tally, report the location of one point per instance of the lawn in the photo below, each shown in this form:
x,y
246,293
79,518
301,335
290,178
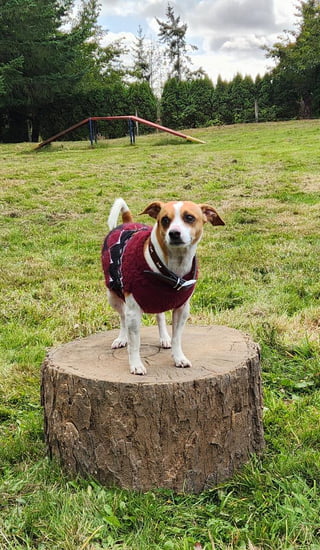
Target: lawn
x,y
259,274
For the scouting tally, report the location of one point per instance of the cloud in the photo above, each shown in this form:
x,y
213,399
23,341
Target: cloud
x,y
228,33
244,43
234,15
227,65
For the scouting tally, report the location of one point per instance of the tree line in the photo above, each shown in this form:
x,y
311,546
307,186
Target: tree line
x,y
54,72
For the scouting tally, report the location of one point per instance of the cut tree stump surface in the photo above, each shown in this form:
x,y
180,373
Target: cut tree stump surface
x,y
183,429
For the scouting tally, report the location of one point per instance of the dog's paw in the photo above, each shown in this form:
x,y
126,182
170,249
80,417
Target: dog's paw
x,y
119,343
138,368
165,342
182,362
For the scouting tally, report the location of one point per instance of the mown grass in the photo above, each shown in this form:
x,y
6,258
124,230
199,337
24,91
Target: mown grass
x,y
260,274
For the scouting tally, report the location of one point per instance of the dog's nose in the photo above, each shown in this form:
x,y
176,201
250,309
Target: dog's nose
x,y
175,235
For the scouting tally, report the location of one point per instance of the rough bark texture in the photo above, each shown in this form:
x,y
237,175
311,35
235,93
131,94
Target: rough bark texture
x,y
183,429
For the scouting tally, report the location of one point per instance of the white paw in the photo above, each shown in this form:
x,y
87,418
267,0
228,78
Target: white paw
x,y
138,368
182,362
165,342
119,343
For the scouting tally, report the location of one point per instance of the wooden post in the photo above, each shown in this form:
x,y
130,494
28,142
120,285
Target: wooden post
x,y
256,110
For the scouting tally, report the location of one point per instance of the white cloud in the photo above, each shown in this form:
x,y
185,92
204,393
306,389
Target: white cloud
x,y
244,44
285,11
229,33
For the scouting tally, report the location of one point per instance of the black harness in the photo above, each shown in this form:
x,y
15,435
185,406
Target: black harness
x,y
167,276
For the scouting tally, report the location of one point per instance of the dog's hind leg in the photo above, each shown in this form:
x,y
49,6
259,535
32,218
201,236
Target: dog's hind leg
x,y
165,340
179,317
133,319
119,306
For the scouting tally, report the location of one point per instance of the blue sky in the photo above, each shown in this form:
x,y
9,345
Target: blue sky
x,y
229,33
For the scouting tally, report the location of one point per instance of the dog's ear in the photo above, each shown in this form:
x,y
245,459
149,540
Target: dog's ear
x,y
211,215
153,209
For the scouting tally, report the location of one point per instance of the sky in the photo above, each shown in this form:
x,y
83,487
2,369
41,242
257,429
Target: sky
x,y
228,33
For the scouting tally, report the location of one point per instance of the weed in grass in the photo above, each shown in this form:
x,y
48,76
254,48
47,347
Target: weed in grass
x,y
259,274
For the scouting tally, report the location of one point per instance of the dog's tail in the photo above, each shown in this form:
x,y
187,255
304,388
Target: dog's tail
x,y
118,206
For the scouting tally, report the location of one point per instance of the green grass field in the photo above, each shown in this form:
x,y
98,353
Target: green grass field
x,y
259,274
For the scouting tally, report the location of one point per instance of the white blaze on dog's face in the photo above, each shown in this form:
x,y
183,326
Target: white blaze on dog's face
x,y
180,224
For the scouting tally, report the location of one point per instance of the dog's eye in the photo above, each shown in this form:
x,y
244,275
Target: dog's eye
x,y
188,218
165,222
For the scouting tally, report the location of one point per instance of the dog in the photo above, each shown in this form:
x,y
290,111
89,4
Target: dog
x,y
153,269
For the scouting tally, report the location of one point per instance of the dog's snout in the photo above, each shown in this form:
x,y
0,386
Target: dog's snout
x,y
175,235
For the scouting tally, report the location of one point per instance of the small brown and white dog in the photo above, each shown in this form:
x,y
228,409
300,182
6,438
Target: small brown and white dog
x,y
153,269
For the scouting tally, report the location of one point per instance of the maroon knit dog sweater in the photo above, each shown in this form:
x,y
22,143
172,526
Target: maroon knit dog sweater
x,y
125,270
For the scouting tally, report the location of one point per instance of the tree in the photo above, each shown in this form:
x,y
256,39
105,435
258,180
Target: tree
x,y
264,94
241,98
201,96
44,59
141,100
174,102
141,68
173,33
298,56
221,102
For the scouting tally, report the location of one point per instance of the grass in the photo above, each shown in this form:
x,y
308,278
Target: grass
x,y
260,274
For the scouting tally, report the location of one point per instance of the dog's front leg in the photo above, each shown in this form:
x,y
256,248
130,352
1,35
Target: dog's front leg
x,y
179,317
165,340
133,315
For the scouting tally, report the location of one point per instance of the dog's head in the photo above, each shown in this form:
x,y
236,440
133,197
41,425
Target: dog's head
x,y
180,223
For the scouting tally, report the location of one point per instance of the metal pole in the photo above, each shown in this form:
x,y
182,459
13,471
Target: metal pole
x,y
91,133
131,131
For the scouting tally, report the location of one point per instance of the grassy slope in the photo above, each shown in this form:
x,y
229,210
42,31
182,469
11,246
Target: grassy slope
x,y
260,274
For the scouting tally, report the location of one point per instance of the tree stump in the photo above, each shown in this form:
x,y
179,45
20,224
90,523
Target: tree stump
x,y
181,429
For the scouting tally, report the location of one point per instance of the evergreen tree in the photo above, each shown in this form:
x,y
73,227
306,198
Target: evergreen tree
x,y
172,32
201,96
241,98
175,101
222,107
141,68
264,95
141,100
42,60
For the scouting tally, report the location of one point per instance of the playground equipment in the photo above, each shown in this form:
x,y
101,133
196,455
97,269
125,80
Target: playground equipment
x,y
131,118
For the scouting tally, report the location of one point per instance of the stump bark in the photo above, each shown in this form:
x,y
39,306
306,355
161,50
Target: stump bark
x,y
182,429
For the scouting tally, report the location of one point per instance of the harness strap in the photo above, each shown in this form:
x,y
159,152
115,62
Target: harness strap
x,y
167,276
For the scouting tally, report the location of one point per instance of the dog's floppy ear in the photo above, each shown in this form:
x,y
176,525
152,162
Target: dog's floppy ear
x,y
211,215
153,209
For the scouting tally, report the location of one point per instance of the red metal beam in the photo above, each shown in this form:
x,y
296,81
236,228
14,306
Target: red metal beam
x,y
119,117
63,133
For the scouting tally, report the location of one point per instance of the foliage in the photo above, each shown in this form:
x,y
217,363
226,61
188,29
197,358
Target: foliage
x,y
54,72
141,68
142,101
172,32
197,102
298,55
175,103
42,61
109,100
258,274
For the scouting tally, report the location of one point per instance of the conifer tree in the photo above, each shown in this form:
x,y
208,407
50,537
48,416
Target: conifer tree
x,y
141,68
43,57
172,33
